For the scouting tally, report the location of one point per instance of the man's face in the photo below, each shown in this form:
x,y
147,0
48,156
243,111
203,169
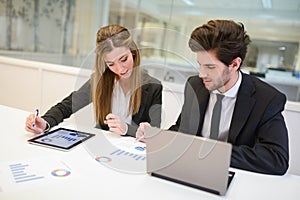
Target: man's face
x,y
215,74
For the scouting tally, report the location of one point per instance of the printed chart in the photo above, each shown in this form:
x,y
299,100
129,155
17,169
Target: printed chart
x,y
124,154
26,174
120,152
19,172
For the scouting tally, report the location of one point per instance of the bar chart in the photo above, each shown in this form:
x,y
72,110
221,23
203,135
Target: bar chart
x,y
21,173
120,152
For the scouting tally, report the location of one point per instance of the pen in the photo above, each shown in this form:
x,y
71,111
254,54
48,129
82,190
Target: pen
x,y
140,138
35,115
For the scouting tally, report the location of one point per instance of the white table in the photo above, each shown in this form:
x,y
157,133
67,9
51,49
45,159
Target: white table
x,y
95,181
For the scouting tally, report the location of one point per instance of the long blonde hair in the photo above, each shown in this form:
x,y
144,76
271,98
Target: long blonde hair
x,y
103,79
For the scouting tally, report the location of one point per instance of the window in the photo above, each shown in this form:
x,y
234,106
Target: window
x,y
63,31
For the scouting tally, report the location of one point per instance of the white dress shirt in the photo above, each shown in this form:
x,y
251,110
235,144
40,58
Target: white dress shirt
x,y
120,103
228,104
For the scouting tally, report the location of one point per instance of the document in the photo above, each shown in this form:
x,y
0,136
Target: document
x,y
123,154
19,175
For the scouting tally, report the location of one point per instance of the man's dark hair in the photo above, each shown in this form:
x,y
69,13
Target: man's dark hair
x,y
226,38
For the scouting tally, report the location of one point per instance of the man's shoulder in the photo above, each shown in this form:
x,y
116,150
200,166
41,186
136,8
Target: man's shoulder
x,y
260,86
194,79
195,82
257,83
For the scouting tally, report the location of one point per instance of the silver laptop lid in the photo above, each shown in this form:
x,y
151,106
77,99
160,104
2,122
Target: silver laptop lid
x,y
195,161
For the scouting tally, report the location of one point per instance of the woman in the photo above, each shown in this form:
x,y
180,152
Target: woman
x,y
123,95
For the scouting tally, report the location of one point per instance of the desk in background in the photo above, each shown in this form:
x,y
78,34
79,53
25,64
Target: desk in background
x,y
91,180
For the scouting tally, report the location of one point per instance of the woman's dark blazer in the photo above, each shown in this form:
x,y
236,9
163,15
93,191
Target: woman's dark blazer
x,y
150,109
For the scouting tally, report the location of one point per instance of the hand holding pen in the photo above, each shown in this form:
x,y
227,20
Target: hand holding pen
x,y
36,114
140,133
34,123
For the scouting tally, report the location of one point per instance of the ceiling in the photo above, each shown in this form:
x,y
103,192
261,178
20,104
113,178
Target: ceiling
x,y
281,18
282,10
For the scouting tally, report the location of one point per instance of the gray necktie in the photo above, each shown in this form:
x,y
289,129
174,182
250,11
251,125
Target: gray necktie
x,y
215,119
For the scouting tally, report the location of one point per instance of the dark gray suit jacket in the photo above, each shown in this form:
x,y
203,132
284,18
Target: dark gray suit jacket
x,y
150,109
257,131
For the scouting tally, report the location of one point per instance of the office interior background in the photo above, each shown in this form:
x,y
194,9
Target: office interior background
x,y
62,32
47,48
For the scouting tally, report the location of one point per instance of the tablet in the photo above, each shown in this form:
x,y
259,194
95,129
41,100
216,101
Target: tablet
x,y
61,139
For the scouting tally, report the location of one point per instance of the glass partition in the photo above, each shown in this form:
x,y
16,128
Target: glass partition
x,y
63,32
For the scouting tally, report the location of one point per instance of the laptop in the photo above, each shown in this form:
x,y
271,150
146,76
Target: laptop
x,y
194,161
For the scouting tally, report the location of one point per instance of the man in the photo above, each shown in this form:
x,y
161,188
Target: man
x,y
251,118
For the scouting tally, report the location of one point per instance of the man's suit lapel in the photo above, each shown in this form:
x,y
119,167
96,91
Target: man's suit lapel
x,y
243,107
193,111
203,102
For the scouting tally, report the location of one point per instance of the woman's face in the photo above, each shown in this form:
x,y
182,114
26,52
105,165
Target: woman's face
x,y
120,61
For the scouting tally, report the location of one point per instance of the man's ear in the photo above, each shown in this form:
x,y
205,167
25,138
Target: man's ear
x,y
236,63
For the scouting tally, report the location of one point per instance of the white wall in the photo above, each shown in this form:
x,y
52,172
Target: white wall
x,y
28,84
292,119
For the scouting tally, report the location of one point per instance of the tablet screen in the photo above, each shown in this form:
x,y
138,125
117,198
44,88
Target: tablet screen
x,y
61,138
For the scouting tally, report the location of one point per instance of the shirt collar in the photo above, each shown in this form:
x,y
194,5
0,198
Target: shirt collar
x,y
232,92
118,89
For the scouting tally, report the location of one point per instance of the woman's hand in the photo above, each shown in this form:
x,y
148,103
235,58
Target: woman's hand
x,y
116,124
35,124
140,133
